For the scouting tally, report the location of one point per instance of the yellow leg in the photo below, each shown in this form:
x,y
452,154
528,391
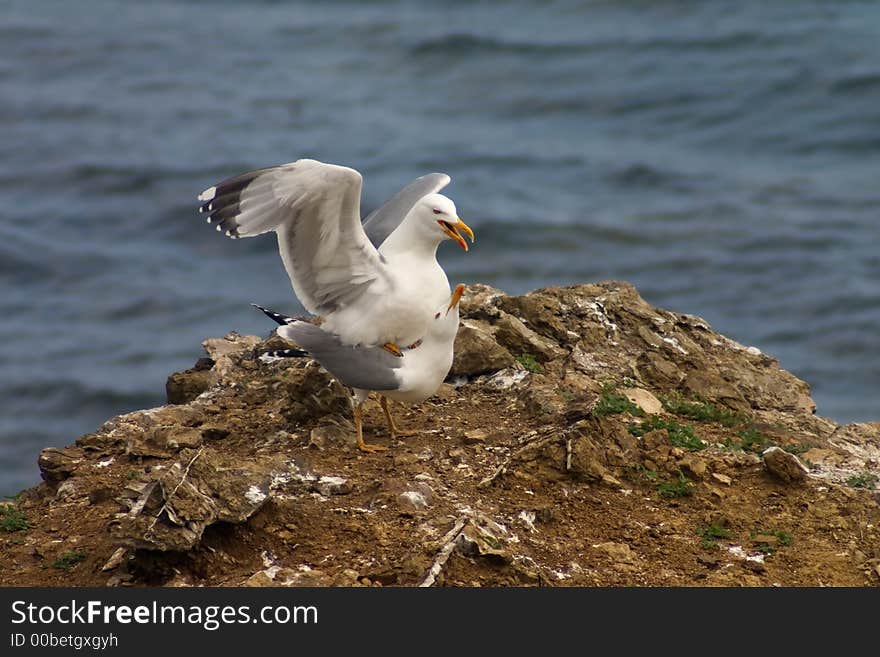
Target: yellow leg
x,y
359,426
393,428
393,348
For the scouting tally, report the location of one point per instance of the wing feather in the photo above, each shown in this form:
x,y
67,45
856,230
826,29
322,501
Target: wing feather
x,y
314,208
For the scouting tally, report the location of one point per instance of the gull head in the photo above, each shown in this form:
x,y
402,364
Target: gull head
x,y
437,213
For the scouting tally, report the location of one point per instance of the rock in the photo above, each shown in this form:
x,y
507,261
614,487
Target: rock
x,y
586,460
479,301
475,437
656,370
517,338
708,560
58,463
643,399
115,560
313,393
724,479
693,466
483,537
171,512
784,465
232,343
412,501
708,385
754,566
67,490
213,433
541,309
347,577
610,481
618,552
163,441
476,352
332,434
99,495
259,579
183,387
541,397
304,576
328,485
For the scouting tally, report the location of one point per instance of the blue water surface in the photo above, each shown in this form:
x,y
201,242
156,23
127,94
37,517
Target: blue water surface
x,y
722,156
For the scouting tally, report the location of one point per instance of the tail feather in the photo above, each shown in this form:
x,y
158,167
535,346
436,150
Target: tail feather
x,y
275,317
284,320
287,353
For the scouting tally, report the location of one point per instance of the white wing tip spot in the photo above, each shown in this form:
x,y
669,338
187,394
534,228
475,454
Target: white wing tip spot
x,y
208,194
219,228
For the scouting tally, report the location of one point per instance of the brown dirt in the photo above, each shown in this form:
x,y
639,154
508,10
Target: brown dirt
x,y
256,481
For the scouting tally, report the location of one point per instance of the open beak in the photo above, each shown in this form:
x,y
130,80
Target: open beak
x,y
452,231
456,297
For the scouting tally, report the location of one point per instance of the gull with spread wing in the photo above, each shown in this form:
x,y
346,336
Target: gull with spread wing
x,y
372,284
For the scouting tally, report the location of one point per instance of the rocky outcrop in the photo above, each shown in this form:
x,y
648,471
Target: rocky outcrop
x,y
586,438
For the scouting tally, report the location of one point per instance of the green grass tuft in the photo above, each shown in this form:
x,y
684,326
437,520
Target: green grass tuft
x,y
681,487
863,480
680,435
710,535
566,394
783,539
702,411
528,361
611,403
69,559
12,520
753,440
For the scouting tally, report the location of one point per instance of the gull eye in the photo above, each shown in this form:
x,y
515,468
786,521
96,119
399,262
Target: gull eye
x,y
437,315
437,211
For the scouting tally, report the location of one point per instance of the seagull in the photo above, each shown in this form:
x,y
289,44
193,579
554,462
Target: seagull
x,y
372,284
411,378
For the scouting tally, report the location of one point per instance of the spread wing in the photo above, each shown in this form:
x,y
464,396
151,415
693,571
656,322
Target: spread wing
x,y
380,223
314,208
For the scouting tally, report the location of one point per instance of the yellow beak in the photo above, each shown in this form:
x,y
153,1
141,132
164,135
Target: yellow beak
x,y
452,231
456,297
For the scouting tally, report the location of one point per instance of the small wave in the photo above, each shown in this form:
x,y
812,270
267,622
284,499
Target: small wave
x,y
17,266
115,178
641,174
517,161
856,83
69,397
25,33
463,44
731,41
467,43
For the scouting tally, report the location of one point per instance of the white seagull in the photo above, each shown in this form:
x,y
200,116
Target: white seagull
x,y
367,296
411,379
